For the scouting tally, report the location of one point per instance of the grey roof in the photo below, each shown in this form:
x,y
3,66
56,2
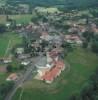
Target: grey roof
x,y
41,62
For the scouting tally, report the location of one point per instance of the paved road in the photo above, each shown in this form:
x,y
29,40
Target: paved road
x,y
22,79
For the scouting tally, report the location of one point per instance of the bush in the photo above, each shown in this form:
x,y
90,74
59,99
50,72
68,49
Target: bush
x,y
9,68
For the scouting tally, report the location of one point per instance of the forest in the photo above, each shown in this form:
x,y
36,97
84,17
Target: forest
x,y
58,3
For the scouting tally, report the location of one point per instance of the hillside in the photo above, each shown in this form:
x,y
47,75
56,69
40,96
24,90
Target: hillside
x,y
65,3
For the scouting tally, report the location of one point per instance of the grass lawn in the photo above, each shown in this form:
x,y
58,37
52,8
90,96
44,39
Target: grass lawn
x,y
3,46
82,65
8,39
3,77
19,18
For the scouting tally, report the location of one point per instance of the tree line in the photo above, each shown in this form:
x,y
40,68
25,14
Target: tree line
x,y
5,88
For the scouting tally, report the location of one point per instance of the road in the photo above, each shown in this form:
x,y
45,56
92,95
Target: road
x,y
22,79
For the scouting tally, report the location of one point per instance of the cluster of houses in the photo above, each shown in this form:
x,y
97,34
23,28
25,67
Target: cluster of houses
x,y
5,60
73,39
50,66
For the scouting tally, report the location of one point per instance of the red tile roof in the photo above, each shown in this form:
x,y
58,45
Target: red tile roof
x,y
60,64
54,72
12,76
45,33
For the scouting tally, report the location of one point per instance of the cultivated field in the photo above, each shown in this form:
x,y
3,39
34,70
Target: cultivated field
x,y
2,2
19,18
82,65
7,41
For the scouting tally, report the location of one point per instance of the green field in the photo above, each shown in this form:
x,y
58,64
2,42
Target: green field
x,y
82,64
3,77
2,2
19,18
8,40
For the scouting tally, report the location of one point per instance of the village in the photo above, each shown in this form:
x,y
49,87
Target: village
x,y
46,42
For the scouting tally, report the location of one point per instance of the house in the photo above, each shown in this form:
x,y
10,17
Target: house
x,y
73,39
8,25
12,77
45,36
25,62
20,50
94,28
54,54
24,56
7,60
42,66
43,63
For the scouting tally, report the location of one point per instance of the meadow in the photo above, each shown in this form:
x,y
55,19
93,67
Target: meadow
x,y
8,40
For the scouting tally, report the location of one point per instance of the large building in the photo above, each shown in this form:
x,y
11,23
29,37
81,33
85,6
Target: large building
x,y
54,72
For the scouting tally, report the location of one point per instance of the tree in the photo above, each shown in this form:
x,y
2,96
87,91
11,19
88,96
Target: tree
x,y
67,46
44,19
94,46
2,28
73,97
13,24
5,88
94,12
21,67
35,18
44,43
9,68
90,90
88,35
87,92
85,44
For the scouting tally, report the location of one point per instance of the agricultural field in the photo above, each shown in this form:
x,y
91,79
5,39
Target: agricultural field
x,y
19,18
7,41
2,2
82,65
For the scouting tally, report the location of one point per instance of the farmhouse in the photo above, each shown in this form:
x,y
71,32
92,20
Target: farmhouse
x,y
12,77
20,50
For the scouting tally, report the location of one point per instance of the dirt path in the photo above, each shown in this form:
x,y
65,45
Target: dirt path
x,y
8,47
